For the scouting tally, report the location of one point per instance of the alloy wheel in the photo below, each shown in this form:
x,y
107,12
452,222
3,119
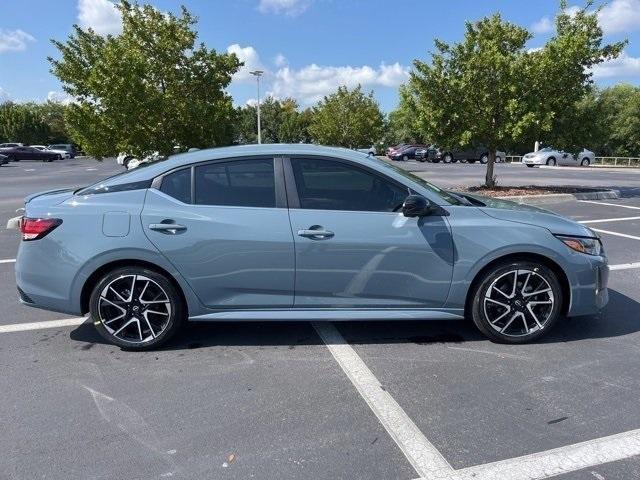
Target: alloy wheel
x,y
134,309
518,303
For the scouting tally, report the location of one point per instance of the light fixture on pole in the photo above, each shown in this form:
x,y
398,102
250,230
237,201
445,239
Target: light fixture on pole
x,y
258,74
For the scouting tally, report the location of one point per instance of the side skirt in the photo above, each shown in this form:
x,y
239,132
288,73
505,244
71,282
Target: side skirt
x,y
331,314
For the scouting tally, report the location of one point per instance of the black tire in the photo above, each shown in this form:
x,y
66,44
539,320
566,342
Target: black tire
x,y
530,166
498,159
519,305
405,158
585,162
125,162
470,161
484,159
447,158
551,162
164,329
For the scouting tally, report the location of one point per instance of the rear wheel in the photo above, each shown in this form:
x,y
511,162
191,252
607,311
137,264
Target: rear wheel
x,y
529,165
517,302
484,159
447,158
551,162
136,308
585,162
405,158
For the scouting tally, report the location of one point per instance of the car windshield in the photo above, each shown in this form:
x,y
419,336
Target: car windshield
x,y
452,199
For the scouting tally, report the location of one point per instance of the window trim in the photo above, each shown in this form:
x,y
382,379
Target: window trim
x,y
292,189
278,175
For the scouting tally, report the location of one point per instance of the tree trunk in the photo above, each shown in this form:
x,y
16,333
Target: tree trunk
x,y
490,179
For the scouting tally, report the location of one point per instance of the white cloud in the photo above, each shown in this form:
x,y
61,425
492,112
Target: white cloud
x,y
623,67
311,83
59,97
542,26
100,15
251,60
14,40
280,60
4,95
287,7
620,16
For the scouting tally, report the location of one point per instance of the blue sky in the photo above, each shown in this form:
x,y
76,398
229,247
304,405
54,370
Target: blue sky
x,y
306,47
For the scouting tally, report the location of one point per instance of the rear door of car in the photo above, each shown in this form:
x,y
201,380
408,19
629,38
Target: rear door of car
x,y
224,225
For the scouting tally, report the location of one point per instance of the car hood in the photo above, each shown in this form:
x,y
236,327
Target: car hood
x,y
531,215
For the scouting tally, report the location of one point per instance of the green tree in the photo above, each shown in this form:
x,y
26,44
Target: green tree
x,y
403,125
147,89
22,123
488,89
280,120
347,118
618,120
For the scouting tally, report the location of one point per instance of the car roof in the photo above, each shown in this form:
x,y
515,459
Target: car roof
x,y
154,169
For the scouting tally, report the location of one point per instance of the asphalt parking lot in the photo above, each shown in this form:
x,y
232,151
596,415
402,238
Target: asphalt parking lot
x,y
356,400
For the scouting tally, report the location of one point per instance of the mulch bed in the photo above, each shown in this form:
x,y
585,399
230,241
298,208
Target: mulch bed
x,y
506,191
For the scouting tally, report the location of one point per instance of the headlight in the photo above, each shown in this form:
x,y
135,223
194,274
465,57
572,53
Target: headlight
x,y
588,245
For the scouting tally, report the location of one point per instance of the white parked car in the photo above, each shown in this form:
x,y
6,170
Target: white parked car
x,y
64,153
369,151
552,157
136,162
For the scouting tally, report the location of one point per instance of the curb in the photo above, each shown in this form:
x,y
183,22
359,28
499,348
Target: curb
x,y
563,197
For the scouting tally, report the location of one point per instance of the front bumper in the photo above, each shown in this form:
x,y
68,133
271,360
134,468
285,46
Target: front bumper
x,y
589,287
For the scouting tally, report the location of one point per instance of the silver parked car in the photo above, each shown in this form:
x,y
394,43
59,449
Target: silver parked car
x,y
552,157
280,232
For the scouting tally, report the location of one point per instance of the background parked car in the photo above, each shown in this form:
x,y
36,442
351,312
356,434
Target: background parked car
x,y
427,154
67,147
3,160
29,153
407,153
64,153
396,148
468,154
369,151
551,156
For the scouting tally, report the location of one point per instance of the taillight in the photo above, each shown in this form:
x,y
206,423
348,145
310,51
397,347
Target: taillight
x,y
36,228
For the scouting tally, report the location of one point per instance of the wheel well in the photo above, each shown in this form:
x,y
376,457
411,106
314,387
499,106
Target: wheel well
x,y
95,277
557,269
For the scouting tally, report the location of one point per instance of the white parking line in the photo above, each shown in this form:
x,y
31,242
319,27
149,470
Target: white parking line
x,y
8,260
557,461
617,234
625,266
422,455
621,219
23,327
609,204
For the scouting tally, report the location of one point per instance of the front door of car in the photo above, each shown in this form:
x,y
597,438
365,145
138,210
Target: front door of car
x,y
224,225
353,247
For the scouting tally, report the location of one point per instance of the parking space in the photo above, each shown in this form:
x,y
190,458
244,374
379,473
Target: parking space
x,y
361,400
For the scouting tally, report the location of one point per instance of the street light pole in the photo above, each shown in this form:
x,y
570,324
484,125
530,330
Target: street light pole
x,y
258,74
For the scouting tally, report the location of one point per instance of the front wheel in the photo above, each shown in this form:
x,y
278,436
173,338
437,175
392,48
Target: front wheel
x,y
484,159
136,308
529,165
551,162
447,158
405,158
517,301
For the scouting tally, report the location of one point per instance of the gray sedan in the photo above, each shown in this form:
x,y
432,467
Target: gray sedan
x,y
282,232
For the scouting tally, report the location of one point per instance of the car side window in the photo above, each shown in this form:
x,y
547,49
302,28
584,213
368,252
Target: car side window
x,y
239,183
178,185
332,185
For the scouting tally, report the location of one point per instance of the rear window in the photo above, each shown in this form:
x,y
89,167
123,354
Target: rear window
x,y
241,183
178,185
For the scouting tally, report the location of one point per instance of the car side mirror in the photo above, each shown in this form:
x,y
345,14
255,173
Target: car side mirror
x,y
416,206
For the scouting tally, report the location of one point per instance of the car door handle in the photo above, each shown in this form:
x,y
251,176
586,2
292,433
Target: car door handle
x,y
316,233
168,228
